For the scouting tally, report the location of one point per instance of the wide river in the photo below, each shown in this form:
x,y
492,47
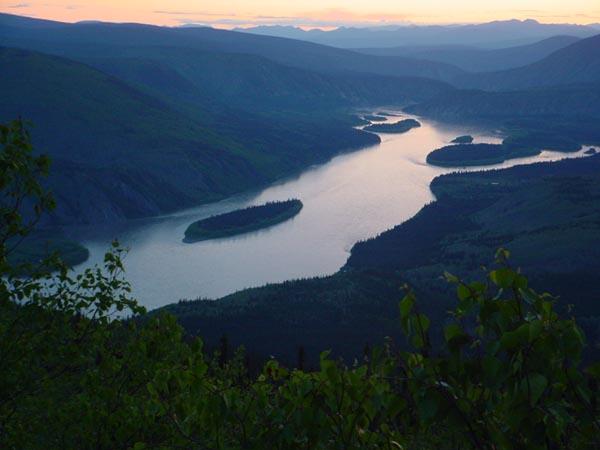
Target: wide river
x,y
353,197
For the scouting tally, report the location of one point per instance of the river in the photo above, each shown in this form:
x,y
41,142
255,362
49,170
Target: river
x,y
353,197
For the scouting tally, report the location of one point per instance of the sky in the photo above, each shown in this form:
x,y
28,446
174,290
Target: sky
x,y
306,13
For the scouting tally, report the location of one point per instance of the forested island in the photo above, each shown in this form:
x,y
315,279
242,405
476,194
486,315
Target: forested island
x,y
242,221
518,145
467,155
398,127
466,139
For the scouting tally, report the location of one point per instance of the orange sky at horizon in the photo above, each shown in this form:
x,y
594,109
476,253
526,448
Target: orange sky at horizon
x,y
305,13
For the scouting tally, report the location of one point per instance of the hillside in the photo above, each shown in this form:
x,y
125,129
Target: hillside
x,y
122,153
496,34
250,82
576,63
88,39
547,214
563,101
475,59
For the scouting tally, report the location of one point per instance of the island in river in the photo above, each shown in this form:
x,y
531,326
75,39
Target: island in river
x,y
468,155
398,127
242,220
466,139
463,155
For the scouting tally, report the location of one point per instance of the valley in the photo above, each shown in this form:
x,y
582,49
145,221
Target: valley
x,y
338,212
253,226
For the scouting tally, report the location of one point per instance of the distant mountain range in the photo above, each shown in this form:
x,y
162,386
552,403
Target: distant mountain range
x,y
576,63
495,34
475,59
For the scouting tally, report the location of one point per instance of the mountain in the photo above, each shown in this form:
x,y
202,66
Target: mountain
x,y
576,63
284,31
91,39
190,77
497,34
121,153
473,59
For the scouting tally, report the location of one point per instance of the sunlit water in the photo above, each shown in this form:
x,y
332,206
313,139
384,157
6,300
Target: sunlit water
x,y
351,198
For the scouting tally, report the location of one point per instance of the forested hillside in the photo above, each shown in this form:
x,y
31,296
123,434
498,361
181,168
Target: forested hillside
x,y
576,63
135,154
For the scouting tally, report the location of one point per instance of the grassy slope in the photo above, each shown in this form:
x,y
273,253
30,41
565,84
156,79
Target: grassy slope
x,y
548,215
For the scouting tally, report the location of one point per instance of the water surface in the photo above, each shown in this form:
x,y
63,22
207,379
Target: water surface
x,y
353,197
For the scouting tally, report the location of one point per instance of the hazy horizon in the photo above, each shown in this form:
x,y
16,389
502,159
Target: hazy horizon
x,y
307,13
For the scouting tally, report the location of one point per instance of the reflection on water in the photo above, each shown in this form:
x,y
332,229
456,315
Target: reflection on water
x,y
351,198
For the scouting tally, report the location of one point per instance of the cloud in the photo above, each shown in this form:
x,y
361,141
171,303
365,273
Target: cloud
x,y
20,5
194,13
329,18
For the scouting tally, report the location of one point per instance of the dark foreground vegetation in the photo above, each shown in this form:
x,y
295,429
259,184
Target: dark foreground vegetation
x,y
508,373
243,220
401,126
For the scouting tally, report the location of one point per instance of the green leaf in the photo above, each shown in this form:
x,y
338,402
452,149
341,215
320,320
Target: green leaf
x,y
463,292
516,338
535,329
538,384
451,278
503,278
423,322
594,370
427,408
452,331
491,369
406,305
